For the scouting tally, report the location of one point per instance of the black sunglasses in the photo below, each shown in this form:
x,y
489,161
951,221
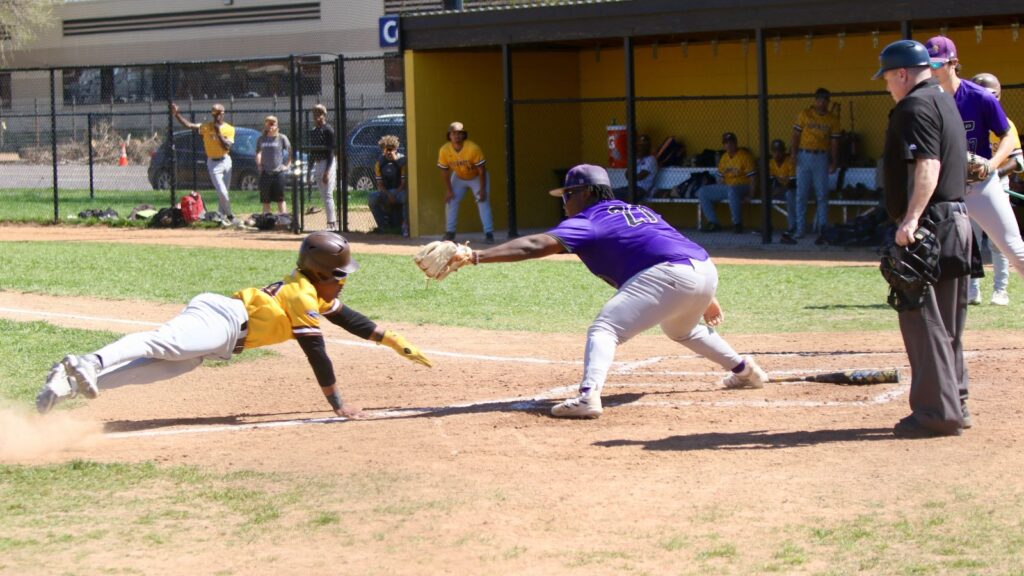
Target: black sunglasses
x,y
568,192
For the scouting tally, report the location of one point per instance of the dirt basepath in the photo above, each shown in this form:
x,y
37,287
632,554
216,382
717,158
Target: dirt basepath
x,y
674,456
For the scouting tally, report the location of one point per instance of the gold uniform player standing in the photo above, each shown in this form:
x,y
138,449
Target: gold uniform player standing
x,y
215,326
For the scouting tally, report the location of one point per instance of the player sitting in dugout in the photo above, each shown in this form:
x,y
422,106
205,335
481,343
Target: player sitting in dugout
x,y
215,326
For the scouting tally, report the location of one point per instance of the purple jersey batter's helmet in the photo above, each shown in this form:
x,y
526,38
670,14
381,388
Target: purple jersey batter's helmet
x,y
325,256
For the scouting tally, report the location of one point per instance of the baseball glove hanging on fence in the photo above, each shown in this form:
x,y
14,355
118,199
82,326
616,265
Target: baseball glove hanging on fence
x,y
978,168
911,270
442,257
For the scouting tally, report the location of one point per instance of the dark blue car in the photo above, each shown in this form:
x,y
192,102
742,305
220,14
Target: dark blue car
x,y
362,150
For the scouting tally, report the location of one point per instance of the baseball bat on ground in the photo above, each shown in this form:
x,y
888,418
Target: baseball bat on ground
x,y
847,377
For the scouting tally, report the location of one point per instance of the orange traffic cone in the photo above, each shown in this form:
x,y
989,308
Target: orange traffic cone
x,y
123,161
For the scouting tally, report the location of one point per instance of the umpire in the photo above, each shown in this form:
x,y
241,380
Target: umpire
x,y
925,174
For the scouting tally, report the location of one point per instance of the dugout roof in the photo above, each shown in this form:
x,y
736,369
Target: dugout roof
x,y
587,22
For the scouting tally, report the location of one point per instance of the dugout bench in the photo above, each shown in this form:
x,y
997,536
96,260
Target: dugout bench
x,y
669,178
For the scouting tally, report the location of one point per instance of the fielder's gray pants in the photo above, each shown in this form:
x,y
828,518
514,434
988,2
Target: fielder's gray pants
x,y
991,204
209,326
673,296
220,176
990,207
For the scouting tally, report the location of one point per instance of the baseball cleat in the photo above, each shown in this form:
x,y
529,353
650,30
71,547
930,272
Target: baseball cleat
x,y
83,372
1000,298
751,377
57,387
578,407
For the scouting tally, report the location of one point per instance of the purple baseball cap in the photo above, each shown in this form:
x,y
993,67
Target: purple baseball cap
x,y
940,49
583,175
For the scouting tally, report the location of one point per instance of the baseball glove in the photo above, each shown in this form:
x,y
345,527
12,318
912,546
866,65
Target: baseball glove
x,y
978,168
440,258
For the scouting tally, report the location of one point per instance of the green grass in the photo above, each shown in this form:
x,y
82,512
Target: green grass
x,y
30,348
36,204
538,296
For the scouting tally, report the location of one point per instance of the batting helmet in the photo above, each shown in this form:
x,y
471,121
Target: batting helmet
x,y
326,256
902,54
988,82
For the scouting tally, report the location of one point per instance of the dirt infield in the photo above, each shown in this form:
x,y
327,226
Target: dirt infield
x,y
675,458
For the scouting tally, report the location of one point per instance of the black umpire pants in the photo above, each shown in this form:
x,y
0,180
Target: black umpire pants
x,y
932,337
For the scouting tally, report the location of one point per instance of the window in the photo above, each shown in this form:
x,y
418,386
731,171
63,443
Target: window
x,y
5,91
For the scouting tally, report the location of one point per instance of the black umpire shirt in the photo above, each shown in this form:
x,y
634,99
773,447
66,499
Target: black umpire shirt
x,y
924,124
321,143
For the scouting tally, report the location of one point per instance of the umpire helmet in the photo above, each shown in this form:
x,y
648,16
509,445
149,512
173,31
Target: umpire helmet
x,y
326,256
902,54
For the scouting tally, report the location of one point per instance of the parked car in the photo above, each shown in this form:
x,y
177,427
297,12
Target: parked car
x,y
362,151
191,162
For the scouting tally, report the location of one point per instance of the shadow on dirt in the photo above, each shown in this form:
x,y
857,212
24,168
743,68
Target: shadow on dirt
x,y
754,440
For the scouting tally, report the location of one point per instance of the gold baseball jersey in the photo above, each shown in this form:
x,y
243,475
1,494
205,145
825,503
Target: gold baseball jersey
x,y
816,130
284,310
1012,134
213,147
738,169
785,170
465,163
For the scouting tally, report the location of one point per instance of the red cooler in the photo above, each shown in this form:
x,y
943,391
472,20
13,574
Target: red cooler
x,y
617,147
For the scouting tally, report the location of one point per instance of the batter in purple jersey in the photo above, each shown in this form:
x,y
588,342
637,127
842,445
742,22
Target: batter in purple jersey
x,y
987,204
661,278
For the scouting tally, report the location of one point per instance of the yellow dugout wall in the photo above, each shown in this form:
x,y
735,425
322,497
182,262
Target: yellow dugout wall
x,y
551,134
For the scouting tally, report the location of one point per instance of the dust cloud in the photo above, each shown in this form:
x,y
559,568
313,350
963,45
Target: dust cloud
x,y
25,435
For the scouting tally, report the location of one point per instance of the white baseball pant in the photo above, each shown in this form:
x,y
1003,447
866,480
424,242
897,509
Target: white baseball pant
x,y
220,175
990,207
459,188
210,326
1000,263
327,190
673,296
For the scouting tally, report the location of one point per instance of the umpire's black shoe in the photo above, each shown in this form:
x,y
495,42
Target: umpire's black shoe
x,y
711,227
909,428
449,235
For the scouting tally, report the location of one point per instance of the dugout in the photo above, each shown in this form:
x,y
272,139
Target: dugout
x,y
537,86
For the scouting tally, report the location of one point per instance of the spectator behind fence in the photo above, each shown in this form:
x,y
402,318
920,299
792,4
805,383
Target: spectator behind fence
x,y
462,165
389,203
646,171
736,171
218,137
273,159
325,167
816,142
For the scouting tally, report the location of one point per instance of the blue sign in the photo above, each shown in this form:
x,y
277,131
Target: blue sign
x,y
389,31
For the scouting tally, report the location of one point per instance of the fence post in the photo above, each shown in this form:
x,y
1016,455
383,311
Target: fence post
x,y
762,126
88,142
341,136
152,129
53,141
299,210
510,151
630,118
74,119
35,118
170,131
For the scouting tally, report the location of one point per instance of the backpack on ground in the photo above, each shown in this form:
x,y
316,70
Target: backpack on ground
x,y
192,207
168,218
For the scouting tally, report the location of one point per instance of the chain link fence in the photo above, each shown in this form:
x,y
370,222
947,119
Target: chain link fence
x,y
89,142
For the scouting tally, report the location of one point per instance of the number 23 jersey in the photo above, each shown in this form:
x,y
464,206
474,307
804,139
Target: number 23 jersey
x,y
616,240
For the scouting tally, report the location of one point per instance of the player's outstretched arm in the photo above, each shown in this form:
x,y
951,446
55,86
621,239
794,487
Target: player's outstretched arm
x,y
525,248
316,353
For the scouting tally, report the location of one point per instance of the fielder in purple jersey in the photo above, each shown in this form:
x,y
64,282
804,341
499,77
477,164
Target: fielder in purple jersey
x,y
987,204
661,278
